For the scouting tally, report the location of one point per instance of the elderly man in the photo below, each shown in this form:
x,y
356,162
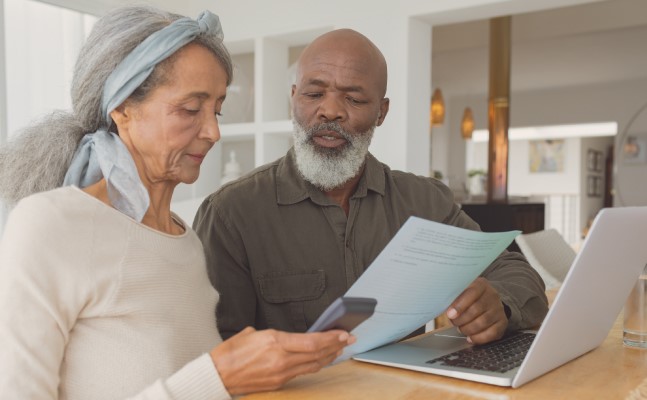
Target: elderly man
x,y
287,239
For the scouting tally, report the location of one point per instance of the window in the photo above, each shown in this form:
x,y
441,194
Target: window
x,y
41,43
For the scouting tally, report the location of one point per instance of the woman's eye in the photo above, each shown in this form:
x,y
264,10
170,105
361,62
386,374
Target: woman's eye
x,y
190,111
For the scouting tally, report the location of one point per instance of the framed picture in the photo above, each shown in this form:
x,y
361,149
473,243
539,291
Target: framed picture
x,y
599,161
590,186
594,186
591,159
598,186
546,155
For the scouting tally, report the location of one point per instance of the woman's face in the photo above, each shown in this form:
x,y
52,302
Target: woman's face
x,y
171,131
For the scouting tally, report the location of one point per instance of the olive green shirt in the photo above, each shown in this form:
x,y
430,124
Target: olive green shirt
x,y
279,251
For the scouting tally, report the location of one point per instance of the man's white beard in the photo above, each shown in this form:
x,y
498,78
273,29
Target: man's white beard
x,y
329,168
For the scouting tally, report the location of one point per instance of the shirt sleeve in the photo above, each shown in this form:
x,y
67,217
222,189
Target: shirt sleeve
x,y
520,288
228,269
518,284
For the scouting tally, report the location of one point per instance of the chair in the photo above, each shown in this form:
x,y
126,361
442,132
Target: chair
x,y
549,254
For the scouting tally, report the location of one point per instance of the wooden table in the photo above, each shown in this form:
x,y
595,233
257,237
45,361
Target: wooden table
x,y
611,371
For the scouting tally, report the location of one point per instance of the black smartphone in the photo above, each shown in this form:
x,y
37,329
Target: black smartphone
x,y
344,313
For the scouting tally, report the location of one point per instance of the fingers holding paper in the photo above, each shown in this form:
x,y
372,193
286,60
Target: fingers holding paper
x,y
478,313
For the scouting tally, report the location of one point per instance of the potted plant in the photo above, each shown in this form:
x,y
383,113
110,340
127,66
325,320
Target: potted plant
x,y
476,178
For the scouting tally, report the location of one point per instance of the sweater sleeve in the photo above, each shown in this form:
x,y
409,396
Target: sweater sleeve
x,y
41,299
34,322
198,380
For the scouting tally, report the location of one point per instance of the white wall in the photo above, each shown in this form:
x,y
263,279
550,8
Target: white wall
x,y
616,101
39,35
38,48
3,83
630,178
400,29
3,103
595,103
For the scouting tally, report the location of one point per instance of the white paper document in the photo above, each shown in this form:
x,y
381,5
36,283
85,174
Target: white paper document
x,y
418,275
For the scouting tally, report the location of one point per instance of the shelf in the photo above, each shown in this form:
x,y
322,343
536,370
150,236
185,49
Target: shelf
x,y
255,122
239,105
244,153
284,126
237,131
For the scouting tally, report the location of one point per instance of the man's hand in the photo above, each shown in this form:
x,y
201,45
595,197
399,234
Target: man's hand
x,y
478,313
253,361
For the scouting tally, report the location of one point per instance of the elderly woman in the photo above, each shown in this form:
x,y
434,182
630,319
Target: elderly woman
x,y
103,290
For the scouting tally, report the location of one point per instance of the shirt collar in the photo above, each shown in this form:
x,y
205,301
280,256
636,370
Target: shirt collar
x,y
291,188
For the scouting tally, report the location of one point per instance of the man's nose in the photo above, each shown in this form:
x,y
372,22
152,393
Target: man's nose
x,y
332,108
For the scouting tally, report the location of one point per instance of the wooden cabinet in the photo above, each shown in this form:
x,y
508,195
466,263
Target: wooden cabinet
x,y
526,217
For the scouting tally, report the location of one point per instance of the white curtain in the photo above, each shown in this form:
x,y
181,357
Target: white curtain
x,y
41,43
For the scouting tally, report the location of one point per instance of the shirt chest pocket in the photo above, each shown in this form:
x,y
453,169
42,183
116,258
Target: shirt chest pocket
x,y
293,300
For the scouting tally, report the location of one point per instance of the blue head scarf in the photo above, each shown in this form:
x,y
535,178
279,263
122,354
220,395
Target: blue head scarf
x,y
102,154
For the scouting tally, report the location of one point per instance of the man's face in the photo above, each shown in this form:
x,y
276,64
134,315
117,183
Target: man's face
x,y
337,86
336,105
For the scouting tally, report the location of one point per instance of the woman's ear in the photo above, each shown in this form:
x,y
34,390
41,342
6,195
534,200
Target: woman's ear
x,y
120,115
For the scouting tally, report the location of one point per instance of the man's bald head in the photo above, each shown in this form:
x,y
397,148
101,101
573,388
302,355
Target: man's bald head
x,y
348,48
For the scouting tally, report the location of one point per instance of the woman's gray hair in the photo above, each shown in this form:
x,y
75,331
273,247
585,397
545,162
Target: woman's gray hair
x,y
39,156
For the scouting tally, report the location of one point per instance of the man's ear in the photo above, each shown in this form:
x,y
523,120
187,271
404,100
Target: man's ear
x,y
384,109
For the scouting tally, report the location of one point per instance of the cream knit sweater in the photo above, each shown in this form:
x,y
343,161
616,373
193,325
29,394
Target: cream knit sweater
x,y
94,305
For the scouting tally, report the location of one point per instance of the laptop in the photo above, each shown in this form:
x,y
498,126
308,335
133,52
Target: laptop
x,y
584,310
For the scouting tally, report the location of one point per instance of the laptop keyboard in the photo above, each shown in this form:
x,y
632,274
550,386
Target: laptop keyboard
x,y
499,356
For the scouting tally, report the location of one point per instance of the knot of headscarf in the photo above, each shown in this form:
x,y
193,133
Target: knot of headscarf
x,y
102,153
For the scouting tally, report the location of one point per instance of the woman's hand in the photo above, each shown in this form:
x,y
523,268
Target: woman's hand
x,y
254,361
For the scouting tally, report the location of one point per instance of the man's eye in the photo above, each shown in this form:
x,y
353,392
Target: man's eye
x,y
313,95
191,111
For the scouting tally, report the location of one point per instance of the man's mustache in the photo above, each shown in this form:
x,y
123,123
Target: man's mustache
x,y
328,126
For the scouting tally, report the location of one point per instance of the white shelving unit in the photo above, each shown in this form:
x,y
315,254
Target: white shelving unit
x,y
256,122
